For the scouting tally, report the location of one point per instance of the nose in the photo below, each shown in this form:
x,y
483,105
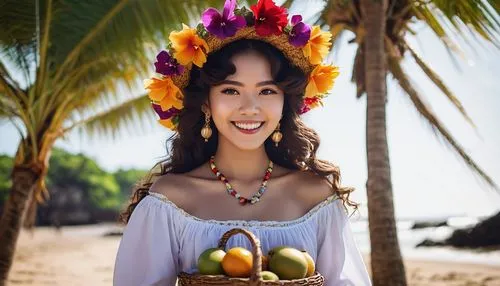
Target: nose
x,y
250,105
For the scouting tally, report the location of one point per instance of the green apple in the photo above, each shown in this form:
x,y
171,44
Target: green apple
x,y
210,261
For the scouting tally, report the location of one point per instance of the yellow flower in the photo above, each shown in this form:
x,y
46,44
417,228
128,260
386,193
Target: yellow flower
x,y
164,92
318,45
321,80
189,47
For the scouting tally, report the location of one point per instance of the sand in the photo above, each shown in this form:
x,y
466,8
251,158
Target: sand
x,y
82,256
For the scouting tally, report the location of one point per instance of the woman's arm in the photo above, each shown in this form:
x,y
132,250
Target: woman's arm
x,y
339,259
148,251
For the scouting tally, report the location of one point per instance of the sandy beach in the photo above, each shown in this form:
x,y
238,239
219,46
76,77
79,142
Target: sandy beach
x,y
82,256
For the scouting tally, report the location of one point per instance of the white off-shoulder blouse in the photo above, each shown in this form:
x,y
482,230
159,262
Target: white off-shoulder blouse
x,y
161,240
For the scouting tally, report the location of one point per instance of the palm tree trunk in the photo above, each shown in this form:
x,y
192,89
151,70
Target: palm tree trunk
x,y
25,176
386,261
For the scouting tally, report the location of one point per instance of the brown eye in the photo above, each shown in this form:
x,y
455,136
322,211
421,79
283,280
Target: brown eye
x,y
268,91
230,91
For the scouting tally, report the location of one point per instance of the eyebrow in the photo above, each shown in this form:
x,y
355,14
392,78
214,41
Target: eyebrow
x,y
237,83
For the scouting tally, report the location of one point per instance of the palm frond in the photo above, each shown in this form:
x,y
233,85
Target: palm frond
x,y
440,84
13,98
100,24
17,36
9,85
18,22
42,71
122,40
425,13
105,92
7,107
476,14
129,115
358,72
431,118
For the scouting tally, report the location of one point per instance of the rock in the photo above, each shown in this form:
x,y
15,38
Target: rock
x,y
430,242
426,224
484,234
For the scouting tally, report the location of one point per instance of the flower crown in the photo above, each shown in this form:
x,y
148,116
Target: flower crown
x,y
304,46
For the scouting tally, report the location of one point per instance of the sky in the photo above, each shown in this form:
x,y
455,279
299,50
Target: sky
x,y
429,179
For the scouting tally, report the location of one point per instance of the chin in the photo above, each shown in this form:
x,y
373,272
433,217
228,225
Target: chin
x,y
245,142
250,146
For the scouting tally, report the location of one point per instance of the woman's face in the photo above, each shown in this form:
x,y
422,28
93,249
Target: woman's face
x,y
247,106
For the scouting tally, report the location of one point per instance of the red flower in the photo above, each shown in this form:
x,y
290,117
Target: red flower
x,y
269,18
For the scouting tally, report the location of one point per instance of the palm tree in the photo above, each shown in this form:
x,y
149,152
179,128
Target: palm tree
x,y
66,64
380,27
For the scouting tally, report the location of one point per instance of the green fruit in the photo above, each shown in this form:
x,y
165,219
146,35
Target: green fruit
x,y
269,276
210,261
276,249
288,263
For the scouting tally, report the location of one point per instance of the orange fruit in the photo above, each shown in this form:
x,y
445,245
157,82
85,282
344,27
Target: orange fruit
x,y
237,262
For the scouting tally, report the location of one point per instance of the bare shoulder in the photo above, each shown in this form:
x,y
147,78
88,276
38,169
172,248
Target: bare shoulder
x,y
311,188
171,186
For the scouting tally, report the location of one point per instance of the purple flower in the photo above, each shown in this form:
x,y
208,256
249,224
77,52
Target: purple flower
x,y
167,65
225,25
165,114
300,32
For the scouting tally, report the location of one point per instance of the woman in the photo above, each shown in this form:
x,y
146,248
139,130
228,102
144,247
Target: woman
x,y
233,91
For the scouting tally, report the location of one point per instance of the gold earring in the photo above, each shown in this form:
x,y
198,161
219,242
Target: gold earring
x,y
206,131
277,136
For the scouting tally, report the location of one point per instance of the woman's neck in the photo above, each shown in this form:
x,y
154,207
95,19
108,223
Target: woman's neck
x,y
241,165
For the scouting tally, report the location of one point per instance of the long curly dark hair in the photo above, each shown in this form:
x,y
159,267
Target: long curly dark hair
x,y
296,151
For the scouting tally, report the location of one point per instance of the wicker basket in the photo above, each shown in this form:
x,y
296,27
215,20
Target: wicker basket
x,y
198,279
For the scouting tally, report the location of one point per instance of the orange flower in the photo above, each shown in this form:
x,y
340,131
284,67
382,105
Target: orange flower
x,y
168,123
318,45
189,47
164,92
321,80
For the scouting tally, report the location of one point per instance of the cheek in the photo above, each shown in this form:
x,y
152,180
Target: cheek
x,y
274,105
222,109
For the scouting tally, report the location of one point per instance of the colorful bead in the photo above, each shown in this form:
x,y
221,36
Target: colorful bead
x,y
242,200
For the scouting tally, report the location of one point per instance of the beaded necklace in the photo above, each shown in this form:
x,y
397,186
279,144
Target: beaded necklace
x,y
230,190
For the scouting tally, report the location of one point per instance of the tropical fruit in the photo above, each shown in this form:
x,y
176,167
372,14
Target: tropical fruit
x,y
311,267
210,261
269,276
277,248
288,263
237,262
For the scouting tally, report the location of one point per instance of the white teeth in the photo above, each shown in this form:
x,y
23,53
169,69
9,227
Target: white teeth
x,y
248,126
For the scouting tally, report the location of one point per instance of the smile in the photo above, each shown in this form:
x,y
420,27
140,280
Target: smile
x,y
248,128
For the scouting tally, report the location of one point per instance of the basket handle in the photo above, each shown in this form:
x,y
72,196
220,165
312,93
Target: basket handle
x,y
256,252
